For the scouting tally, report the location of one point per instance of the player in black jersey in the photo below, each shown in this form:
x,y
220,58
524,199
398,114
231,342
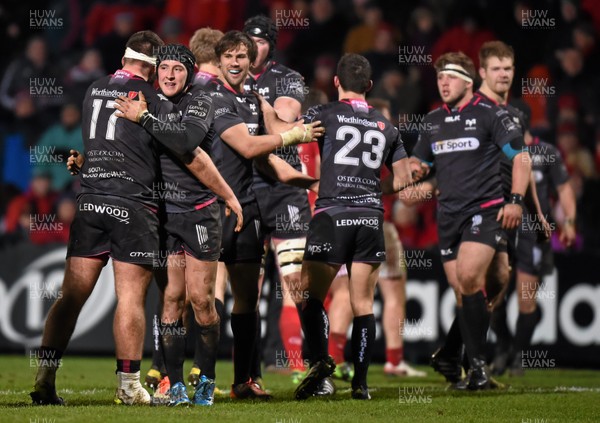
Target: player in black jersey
x,y
497,72
348,221
193,227
115,202
236,143
202,45
466,139
284,209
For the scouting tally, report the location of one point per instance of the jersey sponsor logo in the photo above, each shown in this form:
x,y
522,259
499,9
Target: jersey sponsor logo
x,y
470,122
446,251
356,121
452,119
221,111
107,93
199,110
454,145
508,124
142,254
370,222
132,94
117,212
253,108
318,247
380,254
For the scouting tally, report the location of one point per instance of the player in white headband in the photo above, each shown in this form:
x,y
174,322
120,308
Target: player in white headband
x,y
455,74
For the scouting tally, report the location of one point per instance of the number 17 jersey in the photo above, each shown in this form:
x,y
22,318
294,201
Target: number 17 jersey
x,y
358,140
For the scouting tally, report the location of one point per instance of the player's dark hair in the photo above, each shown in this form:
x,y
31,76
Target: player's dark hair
x,y
232,40
263,27
456,58
495,49
146,42
203,44
354,73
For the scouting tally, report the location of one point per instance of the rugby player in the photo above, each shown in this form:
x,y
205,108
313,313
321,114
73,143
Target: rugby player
x,y
532,258
202,45
347,226
236,144
117,194
193,229
284,209
467,137
494,91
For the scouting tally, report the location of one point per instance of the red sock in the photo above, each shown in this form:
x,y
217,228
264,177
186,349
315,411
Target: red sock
x,y
394,355
291,335
337,343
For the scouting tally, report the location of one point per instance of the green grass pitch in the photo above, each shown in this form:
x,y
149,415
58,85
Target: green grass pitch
x,y
87,384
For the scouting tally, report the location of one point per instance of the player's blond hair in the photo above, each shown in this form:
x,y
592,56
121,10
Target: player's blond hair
x,y
203,44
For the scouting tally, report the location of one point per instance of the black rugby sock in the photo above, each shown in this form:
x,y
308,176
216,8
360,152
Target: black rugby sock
x,y
316,322
363,338
198,353
500,328
255,370
454,340
173,344
207,341
526,323
243,326
474,322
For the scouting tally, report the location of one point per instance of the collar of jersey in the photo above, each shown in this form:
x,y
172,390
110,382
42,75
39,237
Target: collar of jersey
x,y
474,100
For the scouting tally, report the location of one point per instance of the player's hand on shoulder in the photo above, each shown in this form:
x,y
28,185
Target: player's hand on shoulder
x,y
131,109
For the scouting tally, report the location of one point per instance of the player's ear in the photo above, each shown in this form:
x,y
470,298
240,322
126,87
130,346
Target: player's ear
x,y
122,61
370,86
482,72
336,81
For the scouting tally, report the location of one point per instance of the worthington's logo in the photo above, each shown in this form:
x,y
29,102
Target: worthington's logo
x,y
107,93
356,121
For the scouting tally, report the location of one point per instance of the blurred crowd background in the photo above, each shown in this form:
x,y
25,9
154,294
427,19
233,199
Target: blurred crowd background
x,y
51,54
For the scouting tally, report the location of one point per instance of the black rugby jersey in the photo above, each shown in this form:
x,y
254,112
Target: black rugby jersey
x,y
179,188
549,171
121,158
358,141
465,145
278,81
506,164
231,109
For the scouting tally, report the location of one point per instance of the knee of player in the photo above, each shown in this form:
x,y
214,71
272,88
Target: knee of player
x,y
290,254
203,305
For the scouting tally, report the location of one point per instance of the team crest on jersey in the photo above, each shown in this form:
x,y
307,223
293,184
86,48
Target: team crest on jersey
x,y
132,94
381,125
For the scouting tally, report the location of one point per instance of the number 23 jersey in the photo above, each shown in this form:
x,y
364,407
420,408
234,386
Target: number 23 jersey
x,y
358,140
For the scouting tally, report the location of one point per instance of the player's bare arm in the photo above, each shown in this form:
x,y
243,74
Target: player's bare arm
x,y
401,177
199,163
566,198
278,169
512,212
250,146
532,202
